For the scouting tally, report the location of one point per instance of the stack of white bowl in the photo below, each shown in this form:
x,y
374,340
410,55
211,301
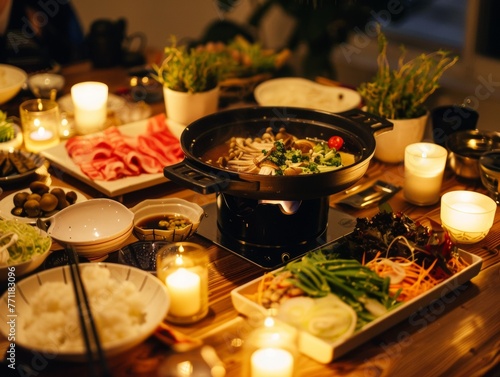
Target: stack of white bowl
x,y
93,228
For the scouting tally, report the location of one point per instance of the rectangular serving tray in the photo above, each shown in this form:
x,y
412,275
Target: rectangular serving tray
x,y
59,158
324,352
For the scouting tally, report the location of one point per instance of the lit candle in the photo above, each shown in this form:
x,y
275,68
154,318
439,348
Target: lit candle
x,y
182,267
467,215
271,362
184,287
40,119
90,106
424,166
41,134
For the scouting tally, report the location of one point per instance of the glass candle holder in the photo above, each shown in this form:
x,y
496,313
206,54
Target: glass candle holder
x,y
467,215
183,268
40,122
271,350
424,165
67,126
90,103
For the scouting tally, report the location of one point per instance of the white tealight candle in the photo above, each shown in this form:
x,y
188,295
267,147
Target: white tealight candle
x,y
184,287
40,119
41,134
271,362
90,106
424,166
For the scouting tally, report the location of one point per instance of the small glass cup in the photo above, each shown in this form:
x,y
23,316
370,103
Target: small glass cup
x,y
40,121
271,350
467,215
183,268
489,171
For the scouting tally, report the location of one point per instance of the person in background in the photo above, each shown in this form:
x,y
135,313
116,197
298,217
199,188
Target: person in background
x,y
39,34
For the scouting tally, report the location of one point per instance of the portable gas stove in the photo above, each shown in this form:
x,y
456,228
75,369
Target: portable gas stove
x,y
271,257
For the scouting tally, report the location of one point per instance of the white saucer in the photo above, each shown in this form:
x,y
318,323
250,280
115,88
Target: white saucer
x,y
300,92
115,103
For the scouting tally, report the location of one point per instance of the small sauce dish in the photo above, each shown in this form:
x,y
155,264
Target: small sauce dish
x,y
46,85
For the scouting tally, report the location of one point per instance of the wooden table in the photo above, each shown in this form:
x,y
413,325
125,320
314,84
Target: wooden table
x,y
457,335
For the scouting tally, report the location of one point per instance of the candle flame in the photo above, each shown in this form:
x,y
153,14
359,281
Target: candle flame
x,y
36,122
269,322
178,260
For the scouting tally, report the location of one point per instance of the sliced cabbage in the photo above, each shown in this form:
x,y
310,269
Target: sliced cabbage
x,y
328,317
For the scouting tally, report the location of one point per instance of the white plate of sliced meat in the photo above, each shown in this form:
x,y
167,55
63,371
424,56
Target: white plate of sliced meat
x,y
120,159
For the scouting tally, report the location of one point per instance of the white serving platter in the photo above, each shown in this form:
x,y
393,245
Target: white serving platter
x,y
59,158
324,352
300,92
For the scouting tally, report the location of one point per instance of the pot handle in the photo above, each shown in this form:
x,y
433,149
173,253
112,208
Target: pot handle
x,y
376,123
185,174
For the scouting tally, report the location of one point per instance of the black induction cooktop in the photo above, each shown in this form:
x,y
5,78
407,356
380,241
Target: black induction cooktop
x,y
339,224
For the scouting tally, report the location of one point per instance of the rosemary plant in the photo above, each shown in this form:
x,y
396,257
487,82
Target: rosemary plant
x,y
401,93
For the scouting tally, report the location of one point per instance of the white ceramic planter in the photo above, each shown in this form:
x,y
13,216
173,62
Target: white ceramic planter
x,y
184,108
390,145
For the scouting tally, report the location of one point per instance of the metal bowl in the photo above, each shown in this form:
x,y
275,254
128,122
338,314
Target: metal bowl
x,y
466,147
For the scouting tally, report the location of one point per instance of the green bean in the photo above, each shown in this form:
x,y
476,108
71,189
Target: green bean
x,y
308,290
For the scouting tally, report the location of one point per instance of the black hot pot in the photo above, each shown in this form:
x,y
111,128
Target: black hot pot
x,y
261,209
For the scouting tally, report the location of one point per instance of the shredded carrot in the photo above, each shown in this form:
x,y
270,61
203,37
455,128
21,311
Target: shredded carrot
x,y
456,264
416,280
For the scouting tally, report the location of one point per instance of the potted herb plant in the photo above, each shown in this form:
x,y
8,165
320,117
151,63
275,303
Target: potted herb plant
x,y
400,94
190,79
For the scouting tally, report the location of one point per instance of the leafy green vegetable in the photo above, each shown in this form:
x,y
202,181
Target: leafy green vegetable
x,y
6,128
322,158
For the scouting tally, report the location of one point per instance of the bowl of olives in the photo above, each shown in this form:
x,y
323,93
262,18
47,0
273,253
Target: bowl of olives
x,y
171,219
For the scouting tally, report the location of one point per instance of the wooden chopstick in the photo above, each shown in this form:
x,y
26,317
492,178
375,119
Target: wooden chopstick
x,y
95,353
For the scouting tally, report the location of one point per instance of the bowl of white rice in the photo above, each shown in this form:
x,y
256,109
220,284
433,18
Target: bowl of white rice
x,y
127,304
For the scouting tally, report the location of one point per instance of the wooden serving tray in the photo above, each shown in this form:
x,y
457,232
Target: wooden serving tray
x,y
325,352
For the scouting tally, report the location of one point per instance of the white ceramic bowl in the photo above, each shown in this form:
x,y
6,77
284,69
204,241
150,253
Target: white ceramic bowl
x,y
11,81
91,221
152,292
99,251
163,207
299,92
24,268
41,84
